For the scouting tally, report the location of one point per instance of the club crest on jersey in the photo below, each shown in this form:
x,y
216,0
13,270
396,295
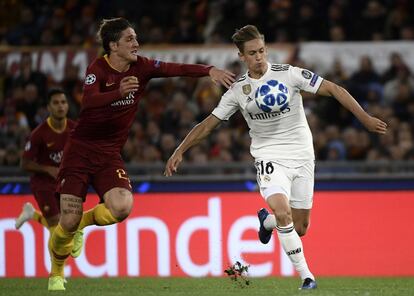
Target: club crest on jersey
x,y
306,74
247,88
56,156
90,79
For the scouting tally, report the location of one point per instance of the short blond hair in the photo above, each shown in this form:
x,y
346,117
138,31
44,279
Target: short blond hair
x,y
247,33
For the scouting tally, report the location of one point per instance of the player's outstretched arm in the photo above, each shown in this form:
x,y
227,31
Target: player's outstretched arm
x,y
223,77
163,69
198,133
371,123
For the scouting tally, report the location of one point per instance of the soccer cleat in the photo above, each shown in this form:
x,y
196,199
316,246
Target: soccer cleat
x,y
308,284
77,244
264,234
26,214
56,283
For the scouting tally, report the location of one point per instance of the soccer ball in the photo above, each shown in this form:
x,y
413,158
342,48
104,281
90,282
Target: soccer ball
x,y
272,96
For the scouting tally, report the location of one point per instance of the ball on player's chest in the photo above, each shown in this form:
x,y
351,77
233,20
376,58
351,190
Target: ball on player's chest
x,y
272,96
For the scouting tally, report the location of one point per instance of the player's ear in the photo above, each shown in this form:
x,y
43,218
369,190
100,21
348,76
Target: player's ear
x,y
241,56
113,45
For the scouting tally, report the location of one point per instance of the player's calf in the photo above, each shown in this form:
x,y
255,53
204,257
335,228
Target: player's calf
x,y
301,229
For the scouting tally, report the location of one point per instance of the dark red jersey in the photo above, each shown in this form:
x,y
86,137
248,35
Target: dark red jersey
x,y
105,116
45,147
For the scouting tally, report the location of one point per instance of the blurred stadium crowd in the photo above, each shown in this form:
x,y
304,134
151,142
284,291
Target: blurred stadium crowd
x,y
171,107
74,22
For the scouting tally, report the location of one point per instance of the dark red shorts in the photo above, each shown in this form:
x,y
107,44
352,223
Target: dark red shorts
x,y
47,202
82,167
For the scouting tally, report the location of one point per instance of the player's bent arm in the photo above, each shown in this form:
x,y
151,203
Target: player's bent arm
x,y
33,167
93,100
373,124
92,97
195,136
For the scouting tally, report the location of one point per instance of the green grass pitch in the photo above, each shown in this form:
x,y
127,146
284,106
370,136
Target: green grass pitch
x,y
211,287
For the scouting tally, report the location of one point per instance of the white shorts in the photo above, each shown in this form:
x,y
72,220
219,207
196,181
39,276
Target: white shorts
x,y
295,182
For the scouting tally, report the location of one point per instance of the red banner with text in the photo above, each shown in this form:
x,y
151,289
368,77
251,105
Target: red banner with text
x,y
200,234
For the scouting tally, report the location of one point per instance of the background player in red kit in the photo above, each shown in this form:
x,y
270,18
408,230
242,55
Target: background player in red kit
x,y
42,156
113,86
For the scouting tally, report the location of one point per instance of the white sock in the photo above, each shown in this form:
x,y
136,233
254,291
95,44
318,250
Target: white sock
x,y
292,245
270,222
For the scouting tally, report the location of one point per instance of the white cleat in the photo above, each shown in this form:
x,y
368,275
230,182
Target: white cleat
x,y
26,214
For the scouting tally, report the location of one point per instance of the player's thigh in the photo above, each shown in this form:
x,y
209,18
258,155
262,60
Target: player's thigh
x,y
47,202
302,187
71,208
114,187
75,170
279,204
109,176
273,179
73,181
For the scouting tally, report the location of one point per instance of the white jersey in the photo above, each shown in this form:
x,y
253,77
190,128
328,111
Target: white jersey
x,y
275,136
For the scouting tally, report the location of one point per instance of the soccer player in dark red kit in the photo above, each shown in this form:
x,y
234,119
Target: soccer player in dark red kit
x,y
41,157
113,87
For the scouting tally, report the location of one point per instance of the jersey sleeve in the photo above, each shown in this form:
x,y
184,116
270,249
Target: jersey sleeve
x,y
158,68
227,106
305,79
32,147
92,95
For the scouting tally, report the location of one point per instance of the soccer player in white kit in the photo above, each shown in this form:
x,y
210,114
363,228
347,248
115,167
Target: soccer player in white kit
x,y
281,142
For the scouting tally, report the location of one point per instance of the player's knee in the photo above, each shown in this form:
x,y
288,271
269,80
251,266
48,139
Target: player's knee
x,y
121,212
119,203
121,209
70,222
283,217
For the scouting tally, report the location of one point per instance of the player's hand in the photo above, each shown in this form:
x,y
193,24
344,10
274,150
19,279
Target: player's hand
x,y
173,163
375,125
52,171
223,77
128,84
